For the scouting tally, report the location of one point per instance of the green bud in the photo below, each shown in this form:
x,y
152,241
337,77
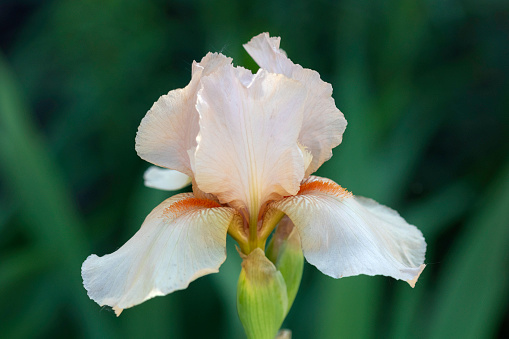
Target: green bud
x,y
262,300
285,251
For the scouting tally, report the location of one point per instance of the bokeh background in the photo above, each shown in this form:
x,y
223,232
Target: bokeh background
x,y
424,87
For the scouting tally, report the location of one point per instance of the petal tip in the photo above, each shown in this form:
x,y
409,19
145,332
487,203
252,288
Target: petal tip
x,y
117,310
412,281
264,38
165,179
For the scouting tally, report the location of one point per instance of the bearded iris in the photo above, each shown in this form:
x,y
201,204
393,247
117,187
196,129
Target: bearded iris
x,y
249,143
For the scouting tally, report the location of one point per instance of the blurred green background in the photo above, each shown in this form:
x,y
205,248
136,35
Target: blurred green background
x,y
424,85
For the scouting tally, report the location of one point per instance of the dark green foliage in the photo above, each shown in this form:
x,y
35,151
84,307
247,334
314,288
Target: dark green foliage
x,y
424,85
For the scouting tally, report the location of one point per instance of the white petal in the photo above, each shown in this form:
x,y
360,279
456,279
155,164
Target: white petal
x,y
343,235
181,240
170,127
323,125
198,193
247,151
308,157
267,54
165,179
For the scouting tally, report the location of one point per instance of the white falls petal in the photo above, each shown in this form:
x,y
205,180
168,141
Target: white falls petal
x,y
343,235
247,152
165,179
323,125
170,127
181,240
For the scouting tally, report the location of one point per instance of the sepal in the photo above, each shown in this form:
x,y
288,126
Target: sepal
x,y
262,301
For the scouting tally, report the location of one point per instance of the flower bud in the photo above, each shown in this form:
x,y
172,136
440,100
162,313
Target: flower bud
x,y
285,251
262,301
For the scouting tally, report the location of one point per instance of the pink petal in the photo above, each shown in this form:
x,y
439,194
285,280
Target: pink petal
x,y
343,235
181,240
170,127
247,151
323,125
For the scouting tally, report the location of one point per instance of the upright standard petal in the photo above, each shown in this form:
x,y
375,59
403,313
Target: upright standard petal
x,y
165,179
170,127
343,235
181,240
323,124
248,152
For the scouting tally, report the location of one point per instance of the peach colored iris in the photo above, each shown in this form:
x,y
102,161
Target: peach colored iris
x,y
249,143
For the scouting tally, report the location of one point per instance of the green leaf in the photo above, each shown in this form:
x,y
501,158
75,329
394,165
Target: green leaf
x,y
34,319
348,307
30,172
22,264
475,282
226,285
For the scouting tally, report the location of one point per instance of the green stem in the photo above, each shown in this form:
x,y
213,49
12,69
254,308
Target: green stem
x,y
253,232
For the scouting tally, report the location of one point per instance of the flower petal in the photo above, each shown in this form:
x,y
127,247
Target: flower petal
x,y
170,127
181,240
165,179
323,125
247,150
343,235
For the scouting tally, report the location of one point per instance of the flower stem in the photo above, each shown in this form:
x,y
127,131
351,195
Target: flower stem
x,y
253,232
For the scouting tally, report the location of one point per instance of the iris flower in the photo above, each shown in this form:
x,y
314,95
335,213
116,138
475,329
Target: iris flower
x,y
249,143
